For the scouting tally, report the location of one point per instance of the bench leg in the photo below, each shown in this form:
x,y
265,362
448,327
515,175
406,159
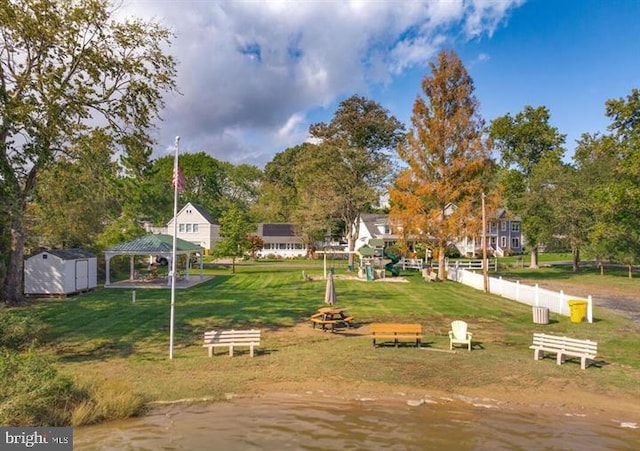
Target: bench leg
x,y
231,351
251,350
210,351
560,359
583,363
536,354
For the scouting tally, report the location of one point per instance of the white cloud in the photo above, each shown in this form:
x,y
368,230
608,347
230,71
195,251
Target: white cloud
x,y
248,67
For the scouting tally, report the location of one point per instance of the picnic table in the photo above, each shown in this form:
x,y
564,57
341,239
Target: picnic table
x,y
331,317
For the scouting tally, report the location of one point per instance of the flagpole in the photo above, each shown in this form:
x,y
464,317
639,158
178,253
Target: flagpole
x,y
173,252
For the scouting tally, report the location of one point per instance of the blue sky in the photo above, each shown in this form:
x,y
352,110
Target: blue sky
x,y
254,74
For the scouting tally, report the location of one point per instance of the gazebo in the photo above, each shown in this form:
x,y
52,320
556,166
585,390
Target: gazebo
x,y
158,245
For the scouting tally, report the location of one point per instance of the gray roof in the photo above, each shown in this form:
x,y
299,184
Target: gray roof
x,y
154,244
204,213
68,254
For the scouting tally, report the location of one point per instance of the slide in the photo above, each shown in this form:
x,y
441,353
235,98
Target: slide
x,y
390,266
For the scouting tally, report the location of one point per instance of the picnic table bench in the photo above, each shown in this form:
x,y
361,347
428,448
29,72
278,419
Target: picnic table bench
x,y
562,347
396,332
231,339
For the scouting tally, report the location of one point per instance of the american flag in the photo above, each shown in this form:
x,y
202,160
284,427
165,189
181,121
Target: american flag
x,y
177,179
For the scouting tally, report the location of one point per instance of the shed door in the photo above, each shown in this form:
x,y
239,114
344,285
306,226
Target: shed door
x,y
82,275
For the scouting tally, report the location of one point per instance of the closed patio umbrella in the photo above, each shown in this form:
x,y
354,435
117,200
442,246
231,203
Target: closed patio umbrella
x,y
330,291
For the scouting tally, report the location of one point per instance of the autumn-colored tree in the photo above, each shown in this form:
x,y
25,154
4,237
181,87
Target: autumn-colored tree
x,y
439,193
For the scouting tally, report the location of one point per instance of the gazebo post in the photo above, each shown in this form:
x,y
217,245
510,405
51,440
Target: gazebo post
x,y
107,279
131,266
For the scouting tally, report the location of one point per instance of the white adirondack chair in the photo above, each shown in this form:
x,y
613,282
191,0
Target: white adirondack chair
x,y
458,335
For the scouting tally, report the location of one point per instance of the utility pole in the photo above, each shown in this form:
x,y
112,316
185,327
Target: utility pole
x,y
485,263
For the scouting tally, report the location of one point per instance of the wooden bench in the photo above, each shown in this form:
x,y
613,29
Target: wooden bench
x,y
397,333
231,339
562,347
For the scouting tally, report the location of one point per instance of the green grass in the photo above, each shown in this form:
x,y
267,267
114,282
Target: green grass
x,y
104,338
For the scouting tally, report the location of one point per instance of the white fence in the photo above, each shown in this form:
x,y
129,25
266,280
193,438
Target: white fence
x,y
525,294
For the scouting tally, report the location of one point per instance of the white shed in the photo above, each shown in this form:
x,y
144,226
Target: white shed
x,y
60,272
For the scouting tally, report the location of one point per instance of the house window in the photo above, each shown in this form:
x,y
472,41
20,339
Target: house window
x,y
493,227
195,228
283,246
188,228
181,228
503,226
515,243
503,241
515,226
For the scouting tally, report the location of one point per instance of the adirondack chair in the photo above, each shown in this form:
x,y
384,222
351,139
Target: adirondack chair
x,y
458,335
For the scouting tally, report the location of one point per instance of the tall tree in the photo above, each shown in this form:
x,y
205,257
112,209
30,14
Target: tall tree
x,y
617,203
76,197
524,141
440,191
360,134
66,68
278,189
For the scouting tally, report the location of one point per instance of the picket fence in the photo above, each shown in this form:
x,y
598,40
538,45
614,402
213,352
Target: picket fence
x,y
519,292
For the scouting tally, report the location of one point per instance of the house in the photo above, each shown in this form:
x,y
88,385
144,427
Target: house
x,y
280,241
195,225
60,272
504,237
374,226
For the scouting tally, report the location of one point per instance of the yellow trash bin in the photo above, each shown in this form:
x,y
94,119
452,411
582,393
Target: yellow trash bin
x,y
578,311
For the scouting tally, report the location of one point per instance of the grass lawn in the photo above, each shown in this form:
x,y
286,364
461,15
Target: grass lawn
x,y
102,338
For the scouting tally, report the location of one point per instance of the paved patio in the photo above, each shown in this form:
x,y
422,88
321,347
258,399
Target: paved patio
x,y
160,282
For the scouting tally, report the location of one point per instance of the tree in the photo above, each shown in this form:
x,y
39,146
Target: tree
x,y
617,202
355,144
77,196
440,191
524,141
278,196
67,68
234,236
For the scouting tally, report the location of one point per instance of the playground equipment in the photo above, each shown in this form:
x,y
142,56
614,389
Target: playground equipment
x,y
395,272
372,256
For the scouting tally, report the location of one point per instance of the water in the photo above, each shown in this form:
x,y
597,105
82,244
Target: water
x,y
325,423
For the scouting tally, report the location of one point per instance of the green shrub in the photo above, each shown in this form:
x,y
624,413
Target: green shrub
x,y
33,393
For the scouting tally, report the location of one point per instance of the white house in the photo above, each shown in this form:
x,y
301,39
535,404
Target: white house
x,y
196,226
60,272
280,241
374,226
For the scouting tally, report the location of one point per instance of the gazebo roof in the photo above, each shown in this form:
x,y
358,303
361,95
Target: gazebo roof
x,y
154,244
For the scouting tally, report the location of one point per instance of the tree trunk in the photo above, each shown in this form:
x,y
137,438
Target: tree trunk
x,y
352,230
13,282
630,271
233,264
576,259
533,264
441,262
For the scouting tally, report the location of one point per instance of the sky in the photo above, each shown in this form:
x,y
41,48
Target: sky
x,y
254,75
